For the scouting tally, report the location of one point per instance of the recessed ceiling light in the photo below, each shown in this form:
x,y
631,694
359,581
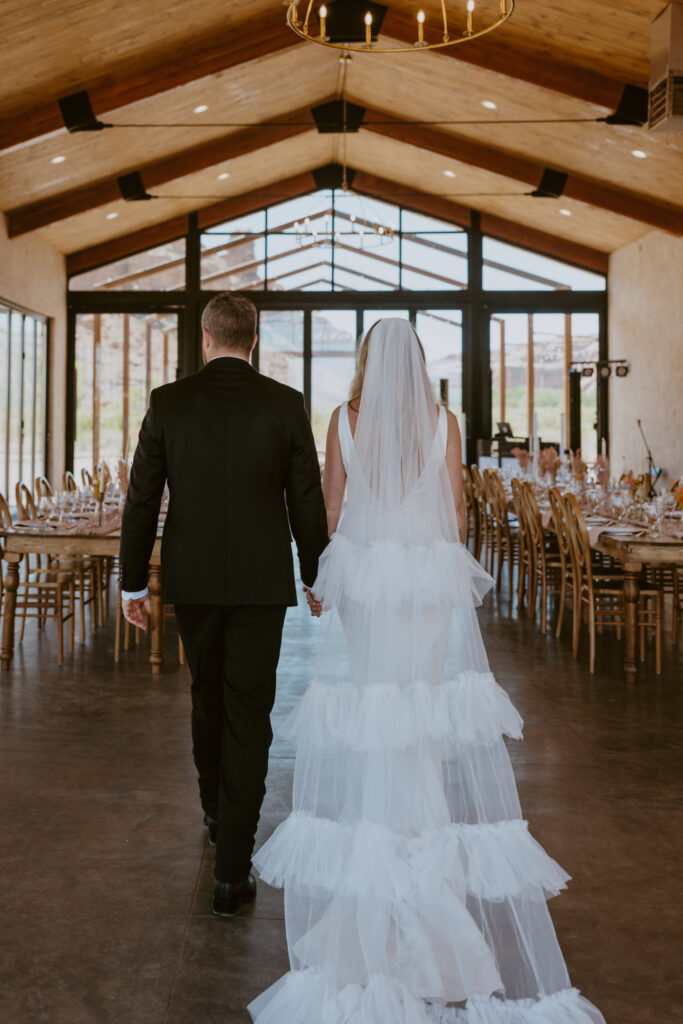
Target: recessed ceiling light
x,y
112,216
223,176
58,159
201,109
489,104
639,153
449,174
566,213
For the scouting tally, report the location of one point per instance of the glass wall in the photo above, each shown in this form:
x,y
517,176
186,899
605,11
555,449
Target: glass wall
x,y
334,241
120,358
158,269
23,391
508,268
333,364
531,354
321,269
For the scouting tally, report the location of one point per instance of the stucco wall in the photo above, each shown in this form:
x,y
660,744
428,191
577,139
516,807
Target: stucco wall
x,y
646,327
33,276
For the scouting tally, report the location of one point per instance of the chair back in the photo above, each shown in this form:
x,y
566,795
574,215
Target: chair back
x,y
70,481
26,506
578,538
470,500
479,490
559,519
534,521
520,505
43,488
5,514
86,477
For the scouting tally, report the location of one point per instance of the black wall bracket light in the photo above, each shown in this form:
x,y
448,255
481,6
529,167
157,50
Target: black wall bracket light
x,y
132,188
603,367
78,115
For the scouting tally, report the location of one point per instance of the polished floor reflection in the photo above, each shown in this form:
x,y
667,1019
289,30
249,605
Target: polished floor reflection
x,y
105,874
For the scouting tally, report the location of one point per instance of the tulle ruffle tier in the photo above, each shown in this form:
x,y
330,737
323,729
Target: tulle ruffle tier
x,y
471,708
305,997
393,572
492,862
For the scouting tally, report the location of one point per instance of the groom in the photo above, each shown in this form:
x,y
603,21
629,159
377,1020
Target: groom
x,y
238,454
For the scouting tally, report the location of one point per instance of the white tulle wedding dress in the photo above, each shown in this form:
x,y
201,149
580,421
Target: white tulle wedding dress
x,y
414,892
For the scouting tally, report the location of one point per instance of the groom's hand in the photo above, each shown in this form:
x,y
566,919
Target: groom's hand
x,y
137,611
315,606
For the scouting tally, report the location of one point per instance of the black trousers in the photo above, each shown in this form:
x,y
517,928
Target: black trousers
x,y
232,652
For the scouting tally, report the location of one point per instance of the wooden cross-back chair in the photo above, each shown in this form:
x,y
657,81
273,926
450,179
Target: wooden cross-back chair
x,y
483,515
568,576
46,591
5,523
600,594
471,505
544,553
83,570
525,559
505,530
43,489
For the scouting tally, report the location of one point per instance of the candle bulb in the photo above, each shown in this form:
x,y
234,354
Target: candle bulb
x,y
368,29
420,28
502,8
323,21
470,8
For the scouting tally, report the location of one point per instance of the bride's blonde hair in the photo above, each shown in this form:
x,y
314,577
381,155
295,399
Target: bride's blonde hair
x,y
357,383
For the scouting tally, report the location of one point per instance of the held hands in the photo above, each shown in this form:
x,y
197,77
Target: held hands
x,y
315,606
138,611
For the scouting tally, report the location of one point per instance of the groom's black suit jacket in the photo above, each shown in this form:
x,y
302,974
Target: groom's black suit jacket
x,y
238,453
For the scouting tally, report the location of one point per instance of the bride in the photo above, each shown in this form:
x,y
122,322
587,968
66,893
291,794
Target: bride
x,y
414,892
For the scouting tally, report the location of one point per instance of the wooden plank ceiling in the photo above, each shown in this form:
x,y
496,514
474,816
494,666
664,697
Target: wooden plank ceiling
x,y
248,69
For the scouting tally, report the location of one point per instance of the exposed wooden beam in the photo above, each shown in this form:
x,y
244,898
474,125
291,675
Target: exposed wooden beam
x,y
607,197
559,76
200,58
420,202
189,161
497,227
168,230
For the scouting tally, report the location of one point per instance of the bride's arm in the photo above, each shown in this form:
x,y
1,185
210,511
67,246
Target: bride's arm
x,y
454,466
334,475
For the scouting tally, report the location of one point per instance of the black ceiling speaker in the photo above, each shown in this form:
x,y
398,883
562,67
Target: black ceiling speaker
x,y
345,20
632,109
78,114
332,176
552,184
329,117
131,187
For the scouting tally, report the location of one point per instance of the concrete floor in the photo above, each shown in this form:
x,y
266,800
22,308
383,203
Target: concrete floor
x,y
106,876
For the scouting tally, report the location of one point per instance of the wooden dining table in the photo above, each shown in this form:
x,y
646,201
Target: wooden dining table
x,y
18,542
634,553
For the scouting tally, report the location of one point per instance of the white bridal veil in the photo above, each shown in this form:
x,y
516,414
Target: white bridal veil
x,y
414,891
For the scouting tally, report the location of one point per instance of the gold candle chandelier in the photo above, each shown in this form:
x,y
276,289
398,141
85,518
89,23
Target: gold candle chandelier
x,y
458,23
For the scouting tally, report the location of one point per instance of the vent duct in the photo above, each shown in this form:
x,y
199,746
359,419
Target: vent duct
x,y
666,70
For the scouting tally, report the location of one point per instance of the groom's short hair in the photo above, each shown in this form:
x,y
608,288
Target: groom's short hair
x,y
230,320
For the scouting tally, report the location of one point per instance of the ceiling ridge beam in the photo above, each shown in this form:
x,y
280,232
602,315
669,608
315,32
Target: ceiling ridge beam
x,y
206,56
167,231
189,161
633,205
563,77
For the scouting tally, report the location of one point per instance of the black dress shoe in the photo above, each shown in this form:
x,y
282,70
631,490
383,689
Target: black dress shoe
x,y
212,825
230,897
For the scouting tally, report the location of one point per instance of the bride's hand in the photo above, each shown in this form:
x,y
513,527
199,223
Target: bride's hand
x,y
315,606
